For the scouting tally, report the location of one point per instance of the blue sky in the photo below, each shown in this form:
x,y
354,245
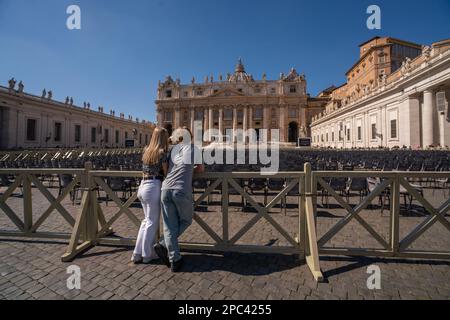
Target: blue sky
x,y
125,47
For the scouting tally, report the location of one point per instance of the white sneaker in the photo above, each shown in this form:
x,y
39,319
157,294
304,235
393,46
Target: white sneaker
x,y
136,258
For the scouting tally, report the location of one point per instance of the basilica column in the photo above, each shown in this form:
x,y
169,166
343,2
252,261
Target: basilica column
x,y
282,123
234,123
205,121
245,124
177,121
250,121
221,124
266,120
211,121
192,120
427,118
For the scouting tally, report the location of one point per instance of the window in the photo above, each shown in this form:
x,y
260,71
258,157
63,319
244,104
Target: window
x,y
93,134
58,127
292,113
240,89
381,59
240,114
327,136
168,93
31,129
359,129
332,136
374,131
185,94
228,114
126,135
393,129
146,139
293,89
258,113
199,92
257,90
77,133
272,90
348,134
106,138
168,116
140,138
198,115
117,136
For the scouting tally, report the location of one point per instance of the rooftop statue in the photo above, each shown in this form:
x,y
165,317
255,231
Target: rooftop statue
x,y
21,87
12,83
426,51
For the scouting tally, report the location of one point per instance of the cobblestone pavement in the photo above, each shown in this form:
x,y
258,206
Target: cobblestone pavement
x,y
32,268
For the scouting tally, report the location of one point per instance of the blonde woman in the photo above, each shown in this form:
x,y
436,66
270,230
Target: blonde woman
x,y
154,167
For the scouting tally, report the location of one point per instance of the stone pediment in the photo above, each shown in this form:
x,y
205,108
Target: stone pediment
x,y
227,93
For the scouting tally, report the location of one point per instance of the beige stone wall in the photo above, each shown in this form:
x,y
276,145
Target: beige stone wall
x,y
16,109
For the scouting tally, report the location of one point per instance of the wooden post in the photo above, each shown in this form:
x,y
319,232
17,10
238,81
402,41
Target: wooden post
x,y
225,200
92,214
302,218
312,251
395,214
27,204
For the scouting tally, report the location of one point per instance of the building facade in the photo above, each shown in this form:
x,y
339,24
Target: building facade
x,y
238,101
28,122
406,105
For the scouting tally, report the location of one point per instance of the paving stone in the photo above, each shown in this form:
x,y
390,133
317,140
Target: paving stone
x,y
33,269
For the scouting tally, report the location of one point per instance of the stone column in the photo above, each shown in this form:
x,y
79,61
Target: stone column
x,y
427,118
245,123
221,123
266,120
176,121
282,123
234,123
409,122
211,121
205,121
192,120
441,116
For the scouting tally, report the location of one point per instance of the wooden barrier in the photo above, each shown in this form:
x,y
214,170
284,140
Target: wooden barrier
x,y
91,228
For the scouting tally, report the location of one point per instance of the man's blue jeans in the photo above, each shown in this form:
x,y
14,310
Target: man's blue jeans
x,y
177,212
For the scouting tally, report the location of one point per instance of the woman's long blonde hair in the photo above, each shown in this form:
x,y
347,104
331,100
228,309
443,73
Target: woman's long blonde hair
x,y
159,144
